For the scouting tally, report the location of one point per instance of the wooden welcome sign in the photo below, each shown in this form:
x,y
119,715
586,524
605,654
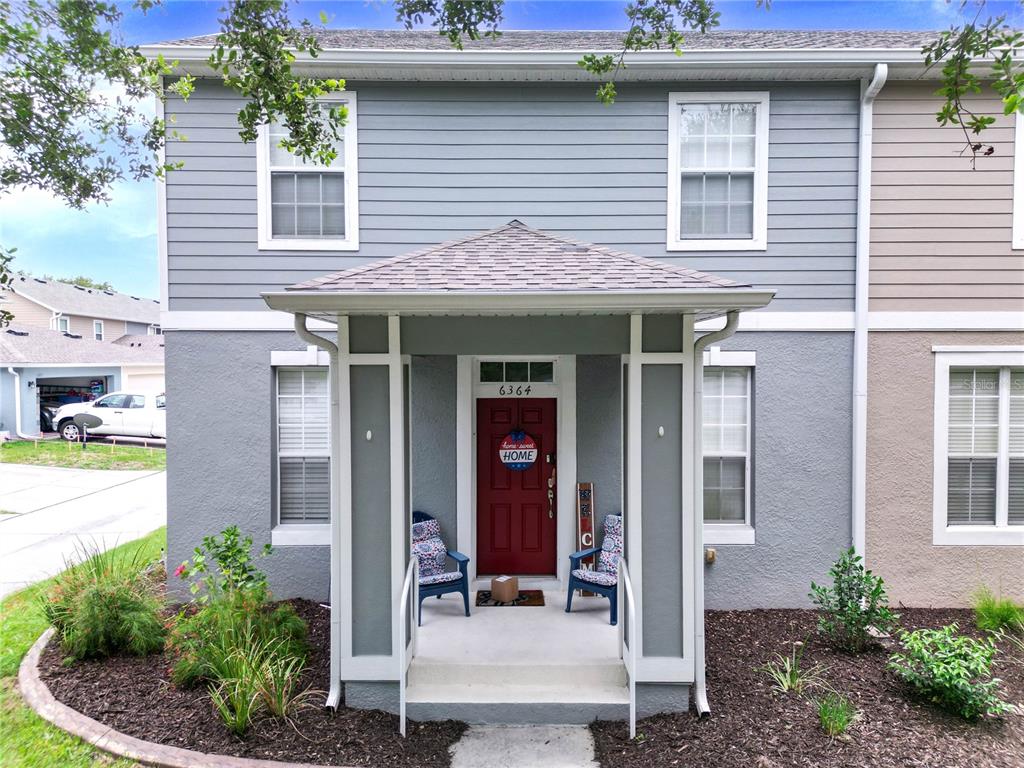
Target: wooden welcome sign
x,y
585,526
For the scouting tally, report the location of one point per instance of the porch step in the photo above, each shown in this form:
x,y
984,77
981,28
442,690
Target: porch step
x,y
425,671
517,694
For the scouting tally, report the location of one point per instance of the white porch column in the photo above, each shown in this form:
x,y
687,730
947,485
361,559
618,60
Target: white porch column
x,y
399,513
341,508
633,526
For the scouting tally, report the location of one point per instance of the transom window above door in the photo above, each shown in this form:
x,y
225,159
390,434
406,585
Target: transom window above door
x,y
718,171
516,371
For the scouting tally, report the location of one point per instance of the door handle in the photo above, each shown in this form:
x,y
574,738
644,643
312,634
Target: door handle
x,y
551,500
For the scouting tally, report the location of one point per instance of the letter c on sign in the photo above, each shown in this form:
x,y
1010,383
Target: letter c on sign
x,y
588,539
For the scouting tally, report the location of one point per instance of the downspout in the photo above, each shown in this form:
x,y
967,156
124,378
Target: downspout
x,y
334,693
860,310
17,405
700,687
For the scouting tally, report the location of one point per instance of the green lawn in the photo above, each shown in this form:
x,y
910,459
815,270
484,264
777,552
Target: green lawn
x,y
58,453
27,741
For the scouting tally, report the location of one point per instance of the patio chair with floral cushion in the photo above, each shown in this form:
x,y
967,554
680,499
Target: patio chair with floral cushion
x,y
603,580
430,550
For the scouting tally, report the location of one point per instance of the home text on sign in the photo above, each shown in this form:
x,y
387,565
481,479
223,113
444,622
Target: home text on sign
x,y
518,451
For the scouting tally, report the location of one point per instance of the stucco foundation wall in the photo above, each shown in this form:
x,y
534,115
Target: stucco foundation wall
x,y
219,457
801,471
901,379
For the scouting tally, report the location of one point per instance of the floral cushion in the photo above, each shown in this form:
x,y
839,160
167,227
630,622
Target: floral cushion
x,y
596,577
428,529
611,546
431,554
440,578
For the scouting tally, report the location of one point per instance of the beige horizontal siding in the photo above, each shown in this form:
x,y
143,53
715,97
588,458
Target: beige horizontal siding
x,y
26,313
940,230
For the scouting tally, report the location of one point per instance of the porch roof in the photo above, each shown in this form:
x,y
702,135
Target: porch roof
x,y
516,269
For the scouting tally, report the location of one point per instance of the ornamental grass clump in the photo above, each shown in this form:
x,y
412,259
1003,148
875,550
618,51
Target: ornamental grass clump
x,y
950,670
788,675
855,604
836,713
995,614
109,602
249,652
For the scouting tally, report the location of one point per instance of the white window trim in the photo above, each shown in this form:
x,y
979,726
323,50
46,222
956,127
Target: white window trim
x,y
265,240
1018,183
97,328
734,533
759,241
65,321
1000,534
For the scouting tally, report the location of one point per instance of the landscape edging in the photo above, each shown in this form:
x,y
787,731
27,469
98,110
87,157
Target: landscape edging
x,y
39,698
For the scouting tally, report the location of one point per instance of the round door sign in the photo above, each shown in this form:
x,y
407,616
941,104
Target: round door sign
x,y
518,451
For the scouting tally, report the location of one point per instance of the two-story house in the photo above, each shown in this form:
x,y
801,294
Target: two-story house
x,y
496,265
945,387
68,343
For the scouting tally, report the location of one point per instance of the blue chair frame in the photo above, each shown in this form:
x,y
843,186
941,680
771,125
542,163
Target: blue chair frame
x,y
611,592
436,590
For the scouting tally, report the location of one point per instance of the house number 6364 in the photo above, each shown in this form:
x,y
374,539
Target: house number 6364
x,y
514,391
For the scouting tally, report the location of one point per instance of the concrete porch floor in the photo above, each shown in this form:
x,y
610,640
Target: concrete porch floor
x,y
517,635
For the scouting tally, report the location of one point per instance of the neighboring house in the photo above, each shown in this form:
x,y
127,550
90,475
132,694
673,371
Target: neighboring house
x,y
494,251
43,368
80,342
87,312
945,414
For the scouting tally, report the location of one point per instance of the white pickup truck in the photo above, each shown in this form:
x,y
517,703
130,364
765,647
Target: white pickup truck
x,y
121,413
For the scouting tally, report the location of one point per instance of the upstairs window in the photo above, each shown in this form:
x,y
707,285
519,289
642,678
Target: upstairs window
x,y
97,330
979,444
64,324
718,171
303,204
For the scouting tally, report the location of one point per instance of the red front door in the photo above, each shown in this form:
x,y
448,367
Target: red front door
x,y
516,518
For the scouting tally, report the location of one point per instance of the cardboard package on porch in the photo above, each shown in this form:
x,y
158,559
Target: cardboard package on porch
x,y
504,589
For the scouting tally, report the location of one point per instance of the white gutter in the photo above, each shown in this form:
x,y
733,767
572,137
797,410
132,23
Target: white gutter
x,y
700,687
860,309
17,405
334,693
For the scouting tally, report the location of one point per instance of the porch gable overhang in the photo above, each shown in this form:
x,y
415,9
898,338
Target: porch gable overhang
x,y
515,269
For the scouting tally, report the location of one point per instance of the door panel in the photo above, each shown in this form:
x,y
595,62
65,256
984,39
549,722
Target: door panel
x,y
515,532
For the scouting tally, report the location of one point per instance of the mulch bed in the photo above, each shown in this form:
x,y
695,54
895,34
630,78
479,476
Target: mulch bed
x,y
751,726
135,696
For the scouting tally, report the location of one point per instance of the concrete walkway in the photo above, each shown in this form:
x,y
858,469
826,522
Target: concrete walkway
x,y
530,746
54,508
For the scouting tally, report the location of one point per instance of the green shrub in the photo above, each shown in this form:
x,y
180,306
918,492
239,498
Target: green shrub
x,y
788,674
249,652
836,713
108,603
234,570
205,640
993,613
856,601
949,670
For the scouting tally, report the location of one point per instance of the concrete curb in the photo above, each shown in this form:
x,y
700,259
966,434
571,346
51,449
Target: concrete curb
x,y
35,693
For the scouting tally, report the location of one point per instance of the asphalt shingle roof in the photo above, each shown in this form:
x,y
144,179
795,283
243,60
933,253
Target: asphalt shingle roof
x,y
515,258
529,40
89,302
26,346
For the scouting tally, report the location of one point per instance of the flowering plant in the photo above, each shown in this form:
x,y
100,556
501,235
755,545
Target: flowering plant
x,y
224,564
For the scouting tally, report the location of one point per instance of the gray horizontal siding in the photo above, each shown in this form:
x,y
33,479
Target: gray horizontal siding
x,y
440,161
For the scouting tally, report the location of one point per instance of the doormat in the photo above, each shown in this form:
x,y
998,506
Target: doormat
x,y
527,597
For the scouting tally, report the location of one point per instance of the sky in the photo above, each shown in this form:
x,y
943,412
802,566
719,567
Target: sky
x,y
116,242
